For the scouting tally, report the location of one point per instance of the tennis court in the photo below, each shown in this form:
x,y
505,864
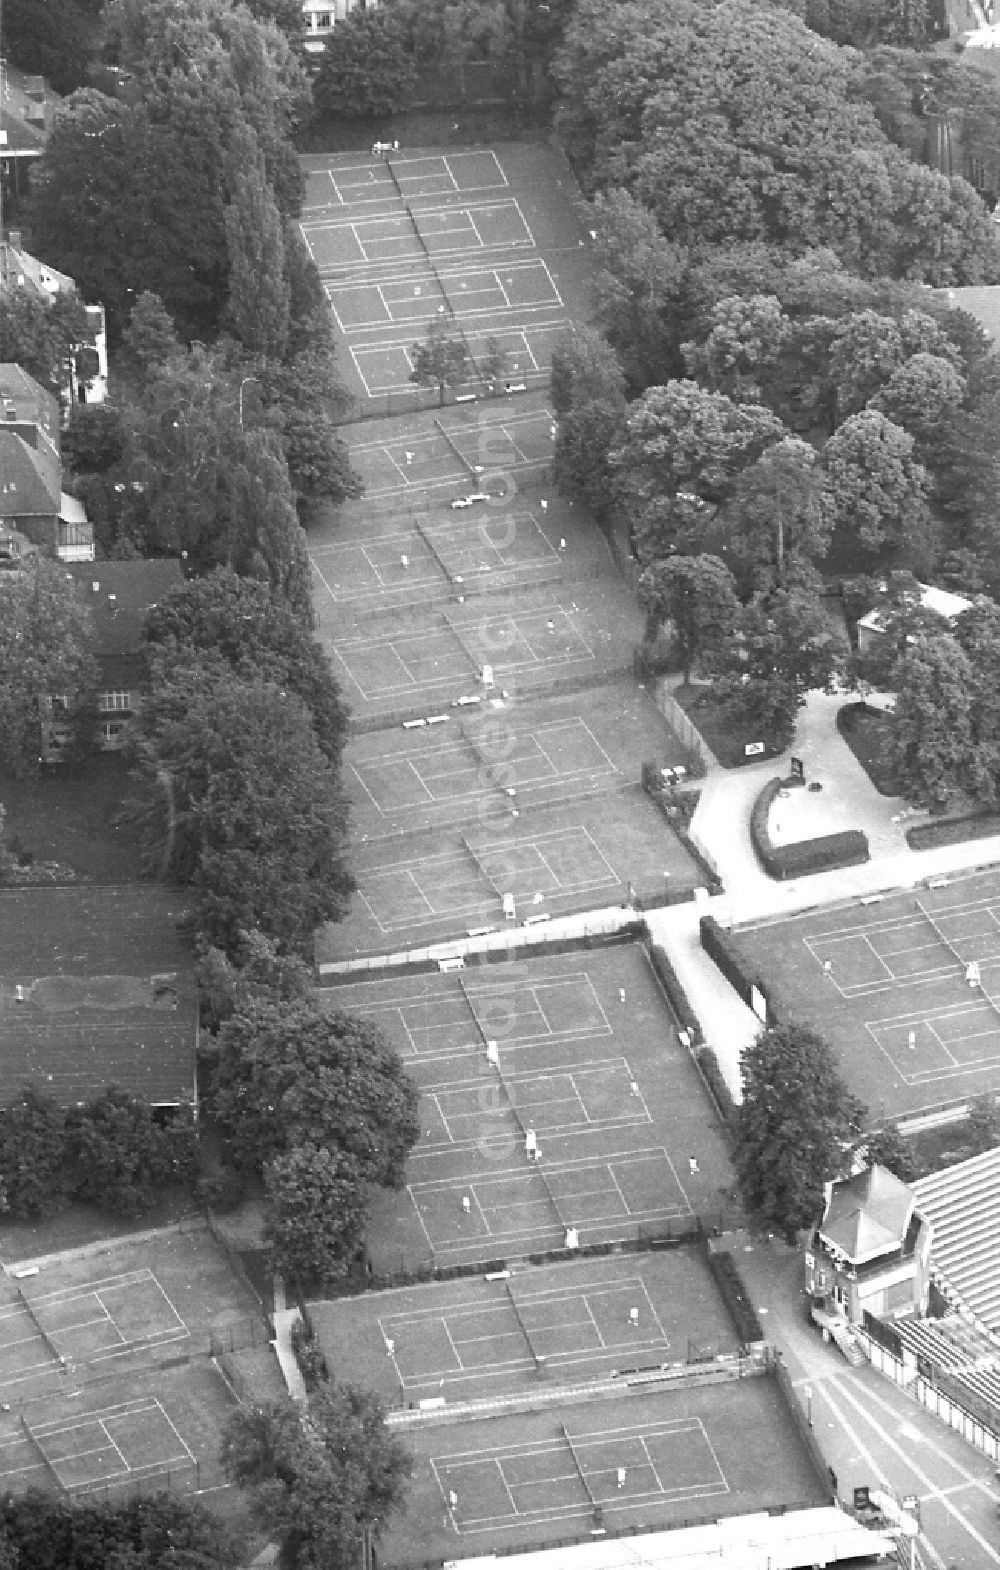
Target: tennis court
x,y
350,181
443,551
908,987
574,1473
470,882
450,452
401,242
578,1051
113,1446
341,245
665,1458
107,1319
456,769
455,651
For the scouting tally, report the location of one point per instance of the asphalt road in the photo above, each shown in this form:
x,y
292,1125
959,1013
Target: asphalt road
x,y
869,1430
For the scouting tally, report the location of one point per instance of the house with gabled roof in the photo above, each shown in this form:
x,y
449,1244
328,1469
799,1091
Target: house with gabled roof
x,y
870,1251
33,504
97,988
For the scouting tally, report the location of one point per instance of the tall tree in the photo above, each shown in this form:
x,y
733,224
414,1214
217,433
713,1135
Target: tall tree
x,y
124,204
258,304
321,1477
46,650
931,740
977,631
118,1158
254,819
315,1211
878,491
781,653
366,69
252,627
780,515
638,289
795,1119
683,452
301,1074
43,335
32,1151
697,596
588,396
441,360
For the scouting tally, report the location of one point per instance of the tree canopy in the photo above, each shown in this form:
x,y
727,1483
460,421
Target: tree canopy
x,y
46,651
252,818
796,1118
253,628
320,1476
155,1532
737,121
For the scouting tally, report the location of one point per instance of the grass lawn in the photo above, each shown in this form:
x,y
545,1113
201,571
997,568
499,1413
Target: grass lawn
x,y
886,984
868,733
588,1056
73,817
721,728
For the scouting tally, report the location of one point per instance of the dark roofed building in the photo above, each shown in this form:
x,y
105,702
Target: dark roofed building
x,y
118,594
33,505
870,1253
96,988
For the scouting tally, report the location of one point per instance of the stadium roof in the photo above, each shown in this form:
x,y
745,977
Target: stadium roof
x,y
791,1541
963,1203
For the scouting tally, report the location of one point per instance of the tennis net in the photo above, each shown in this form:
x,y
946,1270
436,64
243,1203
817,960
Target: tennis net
x,y
993,1002
579,1468
26,1305
520,1319
434,272
941,937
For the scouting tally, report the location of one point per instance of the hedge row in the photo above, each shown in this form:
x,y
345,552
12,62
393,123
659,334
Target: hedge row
x,y
953,831
719,946
734,1295
674,988
849,848
718,1088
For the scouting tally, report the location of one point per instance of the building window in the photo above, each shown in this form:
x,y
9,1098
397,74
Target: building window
x,y
114,700
112,732
323,20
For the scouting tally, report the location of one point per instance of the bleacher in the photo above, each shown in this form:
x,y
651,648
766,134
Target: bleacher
x,y
964,1361
963,1204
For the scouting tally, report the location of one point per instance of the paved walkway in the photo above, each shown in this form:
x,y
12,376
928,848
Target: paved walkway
x,y
721,824
870,1431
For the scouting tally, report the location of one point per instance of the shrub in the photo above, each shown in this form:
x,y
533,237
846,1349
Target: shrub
x,y
674,988
734,1295
849,848
953,831
719,946
718,1086
309,1355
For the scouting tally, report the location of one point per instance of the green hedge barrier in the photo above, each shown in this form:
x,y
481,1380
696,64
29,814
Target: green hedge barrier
x,y
719,946
953,831
849,848
734,1295
674,988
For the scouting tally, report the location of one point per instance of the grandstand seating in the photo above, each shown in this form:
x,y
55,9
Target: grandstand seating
x,y
963,1204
